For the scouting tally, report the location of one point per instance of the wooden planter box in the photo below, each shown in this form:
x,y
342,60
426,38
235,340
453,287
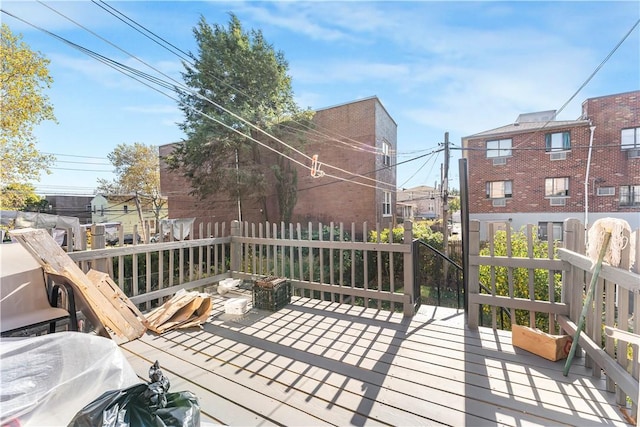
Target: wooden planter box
x,y
552,347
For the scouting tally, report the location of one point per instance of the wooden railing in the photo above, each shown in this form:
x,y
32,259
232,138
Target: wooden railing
x,y
335,267
615,306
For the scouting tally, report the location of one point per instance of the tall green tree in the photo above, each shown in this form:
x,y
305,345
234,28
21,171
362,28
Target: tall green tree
x,y
241,72
23,78
137,169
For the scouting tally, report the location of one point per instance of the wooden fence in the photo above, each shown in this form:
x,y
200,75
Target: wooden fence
x,y
322,262
615,306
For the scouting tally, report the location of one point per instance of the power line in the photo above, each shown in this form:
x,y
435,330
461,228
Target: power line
x,y
164,84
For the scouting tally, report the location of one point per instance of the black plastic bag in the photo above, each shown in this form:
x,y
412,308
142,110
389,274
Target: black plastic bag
x,y
141,405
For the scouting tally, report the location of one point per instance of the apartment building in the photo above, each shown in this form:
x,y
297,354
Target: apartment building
x,y
349,174
538,169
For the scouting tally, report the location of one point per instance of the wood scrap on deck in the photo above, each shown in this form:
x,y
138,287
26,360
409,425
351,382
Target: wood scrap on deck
x,y
183,310
103,303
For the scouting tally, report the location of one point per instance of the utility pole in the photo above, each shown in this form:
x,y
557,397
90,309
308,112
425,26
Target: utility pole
x,y
445,195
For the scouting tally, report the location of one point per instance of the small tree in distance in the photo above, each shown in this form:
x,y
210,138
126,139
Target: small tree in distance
x,y
137,169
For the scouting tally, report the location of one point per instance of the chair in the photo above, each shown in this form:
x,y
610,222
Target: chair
x,y
27,299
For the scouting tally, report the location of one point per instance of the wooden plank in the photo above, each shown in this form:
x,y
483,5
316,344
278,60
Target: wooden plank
x,y
267,399
519,303
214,406
519,262
100,309
622,378
284,353
623,278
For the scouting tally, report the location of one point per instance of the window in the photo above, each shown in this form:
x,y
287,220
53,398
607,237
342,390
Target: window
x,y
606,191
543,230
499,189
386,204
560,141
386,157
556,187
630,139
498,148
630,195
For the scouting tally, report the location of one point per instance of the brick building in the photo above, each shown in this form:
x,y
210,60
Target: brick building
x,y
539,170
355,144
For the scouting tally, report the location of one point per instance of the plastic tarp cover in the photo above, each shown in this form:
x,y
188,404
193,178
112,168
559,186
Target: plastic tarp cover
x,y
47,379
186,224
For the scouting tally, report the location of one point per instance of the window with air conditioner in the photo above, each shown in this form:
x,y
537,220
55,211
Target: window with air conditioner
x,y
629,195
498,148
556,187
558,141
499,192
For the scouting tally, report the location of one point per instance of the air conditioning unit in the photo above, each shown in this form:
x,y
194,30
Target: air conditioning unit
x,y
633,154
561,155
500,161
558,201
498,203
606,191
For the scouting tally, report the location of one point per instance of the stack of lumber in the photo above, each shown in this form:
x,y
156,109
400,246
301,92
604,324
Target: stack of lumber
x,y
107,308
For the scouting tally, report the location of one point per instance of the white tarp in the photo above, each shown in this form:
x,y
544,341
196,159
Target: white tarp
x,y
47,379
42,220
166,225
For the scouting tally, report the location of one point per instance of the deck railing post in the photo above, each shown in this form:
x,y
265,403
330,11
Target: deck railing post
x,y
474,273
409,307
236,246
572,291
98,241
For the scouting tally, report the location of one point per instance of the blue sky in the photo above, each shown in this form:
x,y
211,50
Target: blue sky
x,y
457,67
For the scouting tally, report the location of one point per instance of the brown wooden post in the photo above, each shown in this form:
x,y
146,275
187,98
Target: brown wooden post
x,y
99,241
409,306
473,273
236,249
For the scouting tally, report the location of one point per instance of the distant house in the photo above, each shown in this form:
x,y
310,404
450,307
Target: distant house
x,y
425,202
541,170
355,143
70,205
122,209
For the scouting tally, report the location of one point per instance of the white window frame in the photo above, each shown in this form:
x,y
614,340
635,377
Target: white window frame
x,y
556,187
499,189
498,148
630,138
606,191
386,204
386,153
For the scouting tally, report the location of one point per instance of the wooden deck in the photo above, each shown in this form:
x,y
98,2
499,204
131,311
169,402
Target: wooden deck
x,y
320,363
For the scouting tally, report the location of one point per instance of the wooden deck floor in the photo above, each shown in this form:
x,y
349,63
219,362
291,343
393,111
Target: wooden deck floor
x,y
318,363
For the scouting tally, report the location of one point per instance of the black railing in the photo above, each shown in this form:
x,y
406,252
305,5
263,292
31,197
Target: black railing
x,y
437,279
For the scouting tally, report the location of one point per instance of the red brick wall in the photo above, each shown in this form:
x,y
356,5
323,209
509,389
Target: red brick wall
x,y
345,136
530,164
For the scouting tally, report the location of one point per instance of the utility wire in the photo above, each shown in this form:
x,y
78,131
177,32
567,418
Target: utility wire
x,y
198,95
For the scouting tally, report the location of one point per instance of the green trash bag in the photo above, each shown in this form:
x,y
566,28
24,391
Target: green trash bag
x,y
141,405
